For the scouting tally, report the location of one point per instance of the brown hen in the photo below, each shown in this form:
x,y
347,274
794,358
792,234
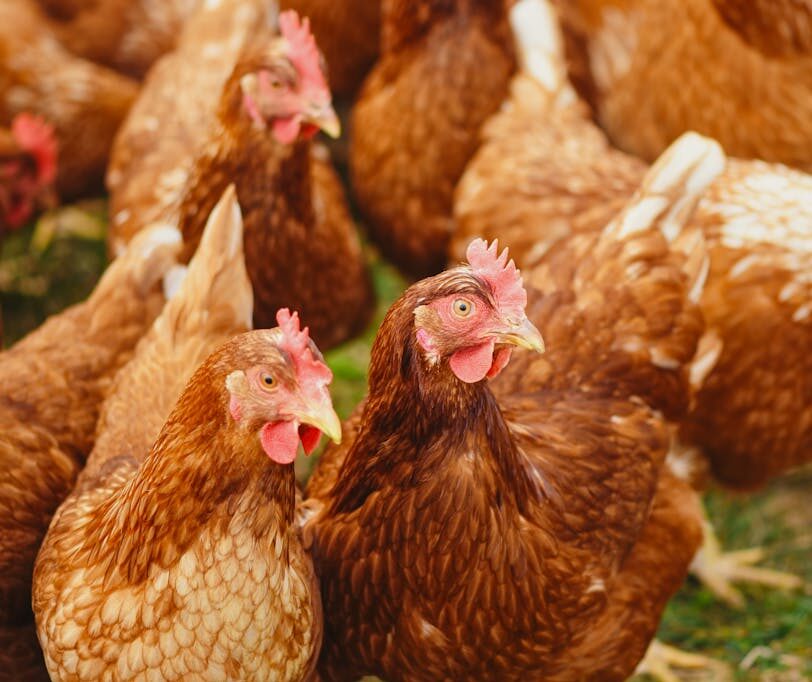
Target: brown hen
x,y
181,559
54,381
526,529
546,171
739,71
84,102
443,70
348,33
252,100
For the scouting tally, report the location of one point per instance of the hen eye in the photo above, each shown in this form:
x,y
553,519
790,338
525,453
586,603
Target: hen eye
x,y
267,381
462,307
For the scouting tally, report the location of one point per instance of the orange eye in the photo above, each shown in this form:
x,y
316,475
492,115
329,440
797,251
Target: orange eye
x,y
267,381
462,307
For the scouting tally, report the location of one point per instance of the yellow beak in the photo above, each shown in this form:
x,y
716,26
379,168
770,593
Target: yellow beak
x,y
326,119
324,418
523,334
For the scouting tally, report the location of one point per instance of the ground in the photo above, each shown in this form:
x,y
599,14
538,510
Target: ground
x,y
769,640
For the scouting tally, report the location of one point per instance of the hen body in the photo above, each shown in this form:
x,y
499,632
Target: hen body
x,y
125,35
84,102
543,157
301,247
224,589
444,68
515,529
736,70
54,381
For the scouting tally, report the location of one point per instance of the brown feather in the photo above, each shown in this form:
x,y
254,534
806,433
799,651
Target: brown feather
x,y
443,70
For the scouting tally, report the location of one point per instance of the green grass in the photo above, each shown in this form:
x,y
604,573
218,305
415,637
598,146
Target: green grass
x,y
36,284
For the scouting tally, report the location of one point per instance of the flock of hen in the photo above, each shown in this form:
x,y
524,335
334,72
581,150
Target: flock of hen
x,y
482,515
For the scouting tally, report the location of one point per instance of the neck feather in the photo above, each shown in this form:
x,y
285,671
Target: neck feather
x,y
202,472
419,417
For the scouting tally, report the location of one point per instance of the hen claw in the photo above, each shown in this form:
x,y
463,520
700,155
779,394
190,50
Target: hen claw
x,y
718,570
661,659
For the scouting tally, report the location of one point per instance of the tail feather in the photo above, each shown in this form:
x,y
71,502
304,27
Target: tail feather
x,y
540,47
215,289
667,198
671,188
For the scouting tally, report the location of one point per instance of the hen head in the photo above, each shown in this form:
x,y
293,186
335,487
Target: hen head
x,y
474,315
284,86
280,394
27,169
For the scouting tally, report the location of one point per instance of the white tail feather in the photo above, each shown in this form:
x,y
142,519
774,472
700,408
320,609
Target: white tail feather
x,y
147,258
540,46
216,278
173,279
672,188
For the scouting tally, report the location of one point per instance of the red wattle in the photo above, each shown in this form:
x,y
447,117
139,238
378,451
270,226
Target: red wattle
x,y
472,364
286,130
280,441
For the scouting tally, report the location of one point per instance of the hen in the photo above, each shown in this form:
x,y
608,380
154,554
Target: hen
x,y
183,560
545,171
347,32
526,529
126,35
28,155
443,70
84,102
737,70
252,102
54,381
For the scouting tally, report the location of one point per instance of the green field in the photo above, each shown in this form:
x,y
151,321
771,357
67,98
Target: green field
x,y
773,633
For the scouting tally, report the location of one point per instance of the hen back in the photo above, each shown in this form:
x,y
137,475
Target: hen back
x,y
546,171
444,68
84,102
54,381
739,71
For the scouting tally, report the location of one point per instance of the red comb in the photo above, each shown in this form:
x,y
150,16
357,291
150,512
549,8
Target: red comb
x,y
303,52
296,342
502,275
36,137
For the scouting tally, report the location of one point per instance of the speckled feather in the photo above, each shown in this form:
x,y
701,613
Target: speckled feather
x,y
54,381
444,69
736,70
753,416
85,102
515,529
